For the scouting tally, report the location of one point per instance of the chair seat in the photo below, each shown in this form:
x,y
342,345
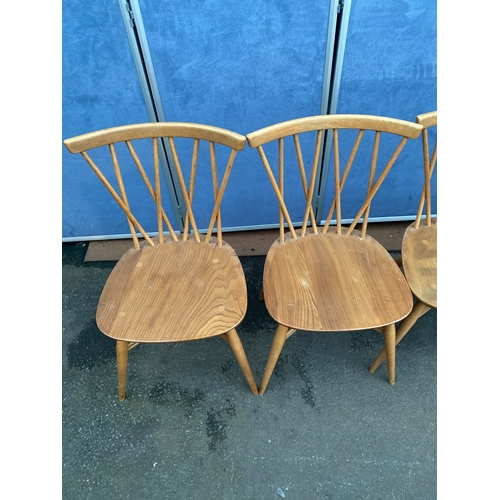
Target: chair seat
x,y
176,291
419,254
325,282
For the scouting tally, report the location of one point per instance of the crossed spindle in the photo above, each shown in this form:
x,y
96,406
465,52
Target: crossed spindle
x,y
338,180
155,191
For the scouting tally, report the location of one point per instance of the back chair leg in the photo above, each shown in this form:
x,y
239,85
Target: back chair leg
x,y
276,347
419,309
121,362
239,354
390,351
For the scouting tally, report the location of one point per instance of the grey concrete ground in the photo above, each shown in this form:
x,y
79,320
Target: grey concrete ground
x,y
191,429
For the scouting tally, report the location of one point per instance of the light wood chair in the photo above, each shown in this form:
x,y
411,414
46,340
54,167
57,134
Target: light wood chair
x,y
341,280
419,246
170,288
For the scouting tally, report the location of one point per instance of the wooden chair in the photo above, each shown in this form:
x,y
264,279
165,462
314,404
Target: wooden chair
x,y
341,280
170,288
419,246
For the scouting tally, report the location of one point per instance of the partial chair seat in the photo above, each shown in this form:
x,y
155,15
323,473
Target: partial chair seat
x,y
173,292
419,255
325,282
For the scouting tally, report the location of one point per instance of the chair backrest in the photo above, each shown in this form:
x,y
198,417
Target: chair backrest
x,y
360,123
154,132
429,123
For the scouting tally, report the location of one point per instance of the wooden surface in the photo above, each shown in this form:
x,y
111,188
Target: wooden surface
x,y
321,122
103,137
419,254
427,119
330,282
173,292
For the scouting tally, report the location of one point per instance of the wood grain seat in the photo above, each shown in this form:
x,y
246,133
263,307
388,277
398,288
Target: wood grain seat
x,y
177,291
324,283
419,255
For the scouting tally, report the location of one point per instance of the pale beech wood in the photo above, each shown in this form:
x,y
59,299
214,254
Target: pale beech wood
x,y
333,282
419,309
163,289
276,347
220,194
373,168
188,202
192,178
344,178
307,124
336,170
277,190
426,191
215,182
390,351
177,291
427,119
300,160
419,256
309,195
149,186
156,162
123,193
239,354
103,137
427,181
117,198
375,188
330,282
122,349
281,177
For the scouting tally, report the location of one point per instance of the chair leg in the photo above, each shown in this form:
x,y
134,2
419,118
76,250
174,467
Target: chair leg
x,y
419,309
121,362
239,353
276,347
390,351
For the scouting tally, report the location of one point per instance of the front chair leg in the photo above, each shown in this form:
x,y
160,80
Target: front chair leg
x,y
390,351
276,347
404,327
239,354
121,362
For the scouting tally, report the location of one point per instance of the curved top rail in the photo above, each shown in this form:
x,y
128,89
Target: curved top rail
x,y
154,129
322,122
428,119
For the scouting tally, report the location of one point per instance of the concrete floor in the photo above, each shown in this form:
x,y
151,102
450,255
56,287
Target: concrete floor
x,y
191,429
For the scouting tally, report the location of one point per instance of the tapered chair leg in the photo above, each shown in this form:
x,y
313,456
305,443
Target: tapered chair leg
x,y
239,354
276,347
390,351
121,362
419,309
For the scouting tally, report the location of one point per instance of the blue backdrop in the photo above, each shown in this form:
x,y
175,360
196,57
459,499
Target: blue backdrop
x,y
240,65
